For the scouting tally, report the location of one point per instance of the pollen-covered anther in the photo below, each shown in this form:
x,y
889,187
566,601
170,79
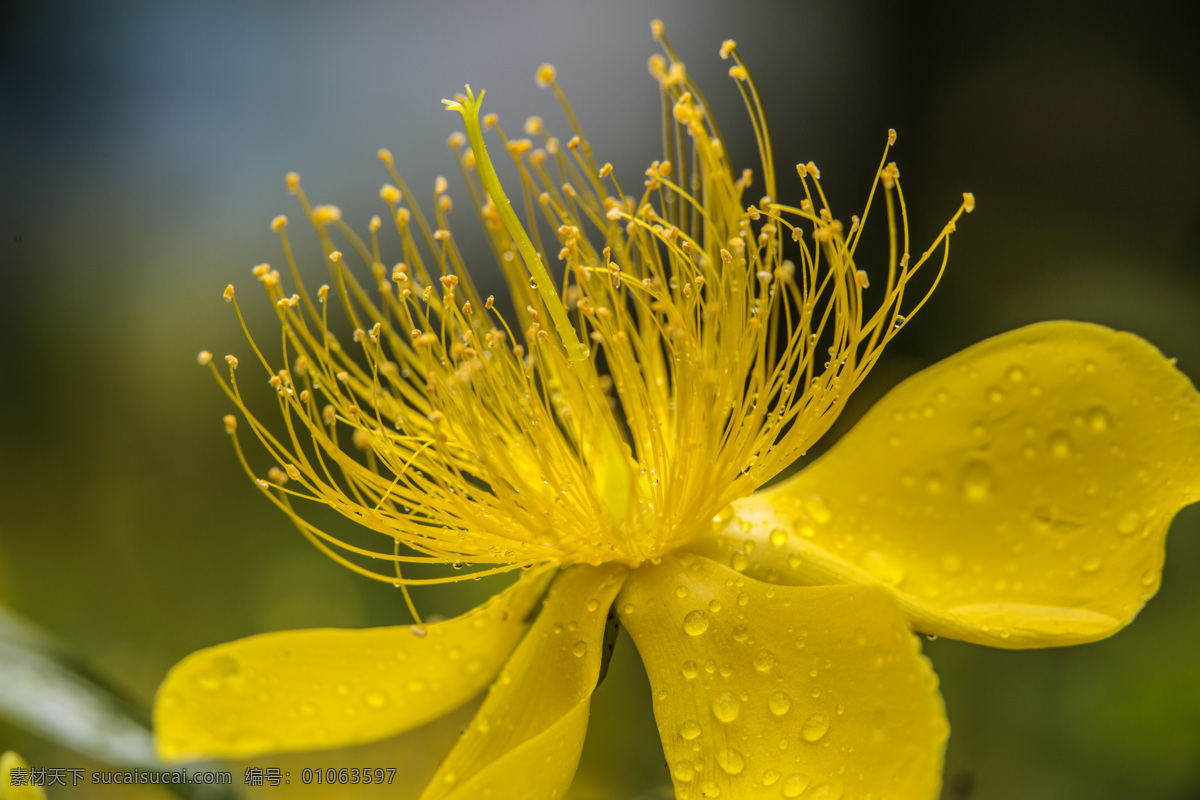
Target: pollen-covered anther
x,y
812,170
467,310
228,294
389,194
204,358
456,140
353,409
276,382
329,415
343,376
860,278
359,334
277,476
403,215
230,422
968,202
292,181
232,361
442,235
385,156
764,275
374,224
569,191
738,72
534,126
278,224
574,142
545,75
292,472
326,214
440,185
786,270
425,340
360,439
752,212
658,67
489,120
323,292
449,282
606,170
727,48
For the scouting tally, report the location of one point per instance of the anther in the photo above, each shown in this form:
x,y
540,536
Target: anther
x,y
204,358
656,28
457,140
489,120
968,202
385,156
727,48
292,182
545,75
292,472
534,126
390,194
277,476
606,170
278,223
229,293
324,215
232,361
230,423
440,185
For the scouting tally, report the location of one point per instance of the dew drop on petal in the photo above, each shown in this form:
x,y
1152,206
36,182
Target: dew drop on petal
x,y
683,771
731,761
779,703
1060,444
690,729
830,790
690,670
771,777
977,480
814,728
1129,523
818,510
1098,419
779,537
726,707
710,789
739,561
579,649
695,623
795,784
764,660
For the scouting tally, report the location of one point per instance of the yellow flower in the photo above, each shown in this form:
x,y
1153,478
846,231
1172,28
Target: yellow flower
x,y
17,781
609,443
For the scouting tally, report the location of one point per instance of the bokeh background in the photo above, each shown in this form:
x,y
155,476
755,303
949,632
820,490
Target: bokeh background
x,y
142,153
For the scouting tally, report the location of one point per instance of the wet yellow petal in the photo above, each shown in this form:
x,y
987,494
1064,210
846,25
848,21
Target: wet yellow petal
x,y
526,739
775,691
1017,494
22,787
311,689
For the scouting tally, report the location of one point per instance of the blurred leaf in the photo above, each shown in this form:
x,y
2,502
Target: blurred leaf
x,y
47,692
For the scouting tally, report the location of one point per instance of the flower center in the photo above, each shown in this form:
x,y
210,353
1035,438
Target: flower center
x,y
693,347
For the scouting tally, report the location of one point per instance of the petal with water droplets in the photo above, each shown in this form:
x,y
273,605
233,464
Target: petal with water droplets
x,y
525,742
313,689
798,689
1017,494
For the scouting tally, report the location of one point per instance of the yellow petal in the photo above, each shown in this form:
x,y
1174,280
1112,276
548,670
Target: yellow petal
x,y
1017,494
306,690
21,786
526,739
775,691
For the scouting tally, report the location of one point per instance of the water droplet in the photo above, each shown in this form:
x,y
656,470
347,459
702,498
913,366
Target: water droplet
x,y
739,561
830,790
723,516
1060,444
740,634
771,777
342,689
951,563
1016,374
743,599
1149,577
934,484
779,703
977,480
690,729
1098,419
1051,620
681,592
795,784
579,649
779,537
695,623
726,706
1129,523
415,685
1091,565
683,771
450,777
710,789
593,604
818,510
714,605
815,727
764,660
627,608
375,699
996,395
731,761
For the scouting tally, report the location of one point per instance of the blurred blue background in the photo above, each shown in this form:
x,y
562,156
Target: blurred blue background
x,y
142,153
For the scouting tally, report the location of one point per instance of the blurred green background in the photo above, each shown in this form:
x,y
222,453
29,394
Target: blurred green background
x,y
143,149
